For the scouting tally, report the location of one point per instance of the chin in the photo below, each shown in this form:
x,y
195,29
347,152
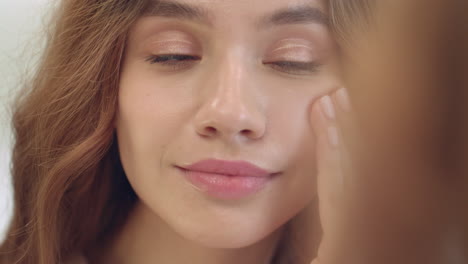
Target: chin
x,y
229,237
229,230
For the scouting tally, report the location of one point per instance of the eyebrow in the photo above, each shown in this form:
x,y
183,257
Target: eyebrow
x,y
172,9
304,14
301,14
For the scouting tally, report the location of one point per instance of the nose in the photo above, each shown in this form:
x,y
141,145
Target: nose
x,y
230,108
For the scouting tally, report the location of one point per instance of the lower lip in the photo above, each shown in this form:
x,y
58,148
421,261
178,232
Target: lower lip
x,y
224,186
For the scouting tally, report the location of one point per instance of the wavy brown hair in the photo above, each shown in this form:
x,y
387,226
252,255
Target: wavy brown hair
x,y
70,191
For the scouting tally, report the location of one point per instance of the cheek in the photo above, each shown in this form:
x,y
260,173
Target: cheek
x,y
298,151
293,136
147,122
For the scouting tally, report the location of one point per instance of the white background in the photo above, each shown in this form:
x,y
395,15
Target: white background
x,y
21,23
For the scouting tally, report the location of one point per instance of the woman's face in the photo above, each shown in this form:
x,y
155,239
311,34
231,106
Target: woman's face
x,y
224,81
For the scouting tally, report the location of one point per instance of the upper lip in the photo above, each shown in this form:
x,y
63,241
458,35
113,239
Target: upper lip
x,y
229,168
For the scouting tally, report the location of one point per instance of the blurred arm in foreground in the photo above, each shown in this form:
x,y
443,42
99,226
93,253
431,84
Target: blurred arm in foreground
x,y
407,76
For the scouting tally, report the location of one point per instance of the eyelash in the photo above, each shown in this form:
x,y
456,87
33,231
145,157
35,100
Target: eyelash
x,y
173,61
181,61
295,67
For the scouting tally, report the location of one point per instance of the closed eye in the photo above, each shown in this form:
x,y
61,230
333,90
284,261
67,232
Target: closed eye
x,y
181,61
171,59
295,67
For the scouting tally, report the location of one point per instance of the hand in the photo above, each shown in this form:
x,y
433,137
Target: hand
x,y
335,190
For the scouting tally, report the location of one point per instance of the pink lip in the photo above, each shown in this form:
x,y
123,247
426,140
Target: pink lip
x,y
227,179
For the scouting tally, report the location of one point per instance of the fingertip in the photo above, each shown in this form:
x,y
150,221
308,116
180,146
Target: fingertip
x,y
343,100
316,114
328,107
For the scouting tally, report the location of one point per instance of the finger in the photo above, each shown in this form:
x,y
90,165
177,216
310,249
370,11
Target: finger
x,y
348,133
334,170
350,141
323,118
330,176
352,231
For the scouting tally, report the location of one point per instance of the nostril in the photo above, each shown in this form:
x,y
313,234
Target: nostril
x,y
246,132
210,130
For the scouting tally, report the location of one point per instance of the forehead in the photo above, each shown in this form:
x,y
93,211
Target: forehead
x,y
241,11
251,4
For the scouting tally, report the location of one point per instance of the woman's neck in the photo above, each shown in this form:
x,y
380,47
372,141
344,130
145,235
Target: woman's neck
x,y
146,238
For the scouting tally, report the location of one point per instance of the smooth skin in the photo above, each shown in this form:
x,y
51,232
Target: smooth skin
x,y
199,83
